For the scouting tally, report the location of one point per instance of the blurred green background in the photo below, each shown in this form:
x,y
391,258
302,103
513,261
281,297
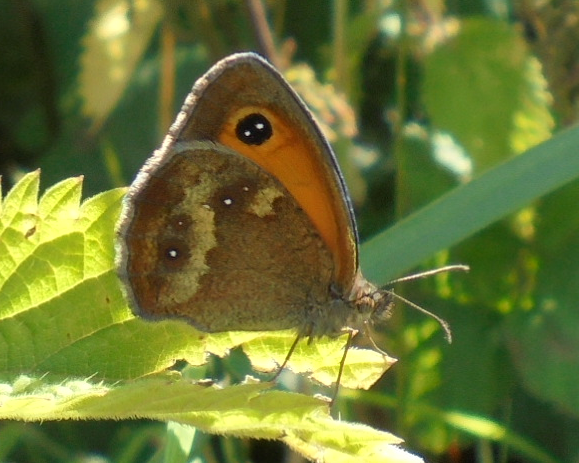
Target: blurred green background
x,y
417,97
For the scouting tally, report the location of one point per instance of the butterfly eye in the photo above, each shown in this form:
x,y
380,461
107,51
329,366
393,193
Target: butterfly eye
x,y
254,129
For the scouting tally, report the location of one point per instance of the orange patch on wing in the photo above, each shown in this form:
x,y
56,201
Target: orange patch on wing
x,y
287,156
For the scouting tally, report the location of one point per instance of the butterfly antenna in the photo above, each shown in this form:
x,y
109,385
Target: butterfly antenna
x,y
444,325
449,268
429,273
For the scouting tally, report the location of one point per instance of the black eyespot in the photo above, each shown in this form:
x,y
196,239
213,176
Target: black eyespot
x,y
254,129
173,254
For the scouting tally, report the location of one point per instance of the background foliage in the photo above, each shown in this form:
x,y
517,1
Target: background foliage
x,y
443,93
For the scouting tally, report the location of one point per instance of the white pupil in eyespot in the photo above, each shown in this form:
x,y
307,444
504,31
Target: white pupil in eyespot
x,y
259,126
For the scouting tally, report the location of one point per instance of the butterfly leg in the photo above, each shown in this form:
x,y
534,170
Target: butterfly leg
x,y
368,334
351,334
287,357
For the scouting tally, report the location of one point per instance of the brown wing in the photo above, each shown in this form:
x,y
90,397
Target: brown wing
x,y
211,237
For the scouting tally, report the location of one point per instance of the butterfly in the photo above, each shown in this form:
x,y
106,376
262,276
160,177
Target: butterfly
x,y
241,220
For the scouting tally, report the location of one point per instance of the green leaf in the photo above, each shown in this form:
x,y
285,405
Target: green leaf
x,y
247,410
475,87
472,206
61,310
62,307
543,338
70,348
362,369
